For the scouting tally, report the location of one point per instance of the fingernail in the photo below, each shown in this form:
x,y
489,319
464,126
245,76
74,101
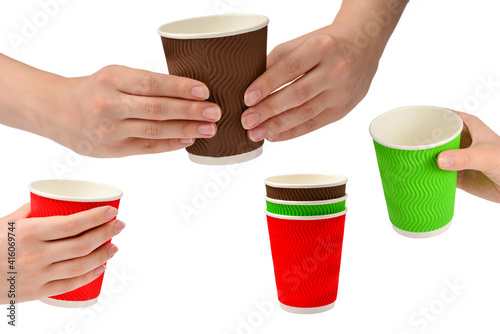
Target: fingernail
x,y
207,129
99,270
273,138
111,213
446,160
112,251
252,97
200,92
186,141
119,226
212,113
257,134
250,120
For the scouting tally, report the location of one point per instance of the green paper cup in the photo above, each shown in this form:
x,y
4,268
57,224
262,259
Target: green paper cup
x,y
305,208
420,197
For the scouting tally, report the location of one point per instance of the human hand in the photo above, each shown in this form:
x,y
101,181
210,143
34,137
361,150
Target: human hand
x,y
57,254
478,160
326,83
120,111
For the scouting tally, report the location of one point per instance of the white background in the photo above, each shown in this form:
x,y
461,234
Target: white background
x,y
207,274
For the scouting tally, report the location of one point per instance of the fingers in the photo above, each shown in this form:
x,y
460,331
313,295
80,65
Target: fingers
x,y
80,266
325,117
478,184
145,83
166,130
279,52
58,287
288,68
138,146
294,95
477,129
478,155
59,227
482,158
162,109
83,244
289,119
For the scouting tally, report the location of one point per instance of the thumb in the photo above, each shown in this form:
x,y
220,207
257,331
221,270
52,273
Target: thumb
x,y
470,158
21,213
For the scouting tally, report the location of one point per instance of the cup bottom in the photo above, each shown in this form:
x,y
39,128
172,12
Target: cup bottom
x,y
307,310
232,159
68,303
422,235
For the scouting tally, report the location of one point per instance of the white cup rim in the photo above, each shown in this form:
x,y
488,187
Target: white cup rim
x,y
239,28
103,192
333,215
415,147
328,201
322,181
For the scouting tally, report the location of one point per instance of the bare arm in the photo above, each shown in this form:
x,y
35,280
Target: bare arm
x,y
117,111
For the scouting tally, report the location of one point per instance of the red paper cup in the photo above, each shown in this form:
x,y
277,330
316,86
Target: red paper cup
x,y
66,197
306,255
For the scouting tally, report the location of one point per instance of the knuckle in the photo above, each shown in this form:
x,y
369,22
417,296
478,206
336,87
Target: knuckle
x,y
190,111
292,65
302,92
149,83
186,131
275,126
154,109
268,82
81,248
149,146
65,286
307,112
271,109
25,233
310,125
27,260
105,75
466,158
76,269
99,105
342,71
178,85
326,43
70,227
151,130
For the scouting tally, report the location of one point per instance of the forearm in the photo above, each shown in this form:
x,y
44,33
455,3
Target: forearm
x,y
369,23
29,97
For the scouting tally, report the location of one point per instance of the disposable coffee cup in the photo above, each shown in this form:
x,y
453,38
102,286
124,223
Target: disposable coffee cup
x,y
305,187
66,197
305,208
420,197
227,53
306,253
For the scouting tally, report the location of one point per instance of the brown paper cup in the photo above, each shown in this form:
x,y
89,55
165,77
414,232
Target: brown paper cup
x,y
227,53
305,187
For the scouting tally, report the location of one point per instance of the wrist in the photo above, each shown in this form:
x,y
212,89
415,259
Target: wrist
x,y
48,106
356,40
367,25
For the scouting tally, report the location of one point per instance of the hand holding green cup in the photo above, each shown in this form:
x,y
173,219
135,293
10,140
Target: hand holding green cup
x,y
420,196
